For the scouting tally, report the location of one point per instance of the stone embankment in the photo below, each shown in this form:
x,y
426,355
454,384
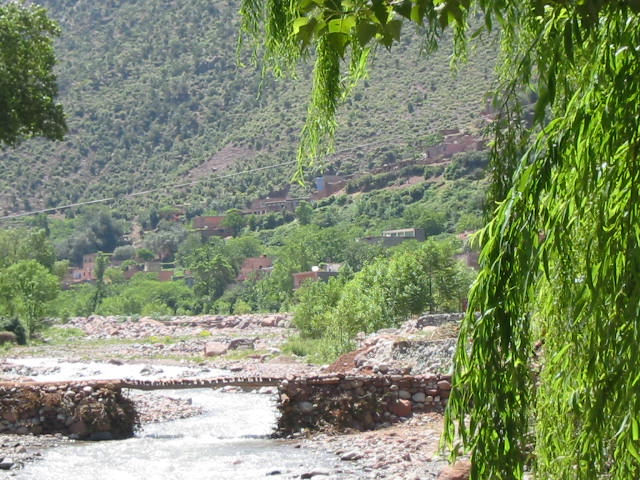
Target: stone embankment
x,y
359,402
77,410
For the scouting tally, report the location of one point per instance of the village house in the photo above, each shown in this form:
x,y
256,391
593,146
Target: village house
x,y
327,185
262,206
211,226
254,266
391,238
316,274
84,273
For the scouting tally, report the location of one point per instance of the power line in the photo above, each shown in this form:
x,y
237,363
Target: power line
x,y
143,192
181,185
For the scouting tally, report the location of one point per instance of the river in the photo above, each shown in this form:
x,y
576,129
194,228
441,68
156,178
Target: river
x,y
231,440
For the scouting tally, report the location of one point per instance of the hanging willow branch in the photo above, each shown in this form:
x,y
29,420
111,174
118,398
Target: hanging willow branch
x,y
560,262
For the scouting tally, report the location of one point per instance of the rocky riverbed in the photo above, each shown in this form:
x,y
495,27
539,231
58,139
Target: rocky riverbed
x,y
401,451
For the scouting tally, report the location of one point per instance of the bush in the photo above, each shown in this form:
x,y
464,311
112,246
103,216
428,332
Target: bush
x,y
468,164
241,307
14,326
316,301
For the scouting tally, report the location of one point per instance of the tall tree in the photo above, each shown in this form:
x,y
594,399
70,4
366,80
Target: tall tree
x,y
561,252
28,87
102,262
25,286
212,272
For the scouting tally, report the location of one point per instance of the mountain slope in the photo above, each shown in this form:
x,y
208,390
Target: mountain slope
x,y
154,95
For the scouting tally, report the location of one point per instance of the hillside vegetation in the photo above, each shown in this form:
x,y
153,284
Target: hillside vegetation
x,y
154,95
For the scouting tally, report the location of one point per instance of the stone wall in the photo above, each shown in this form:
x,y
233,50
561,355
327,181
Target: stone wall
x,y
93,412
361,402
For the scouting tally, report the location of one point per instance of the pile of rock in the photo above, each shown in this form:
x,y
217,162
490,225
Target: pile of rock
x,y
100,327
222,346
420,346
360,402
78,410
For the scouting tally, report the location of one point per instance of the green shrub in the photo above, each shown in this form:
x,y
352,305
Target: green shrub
x,y
14,326
241,307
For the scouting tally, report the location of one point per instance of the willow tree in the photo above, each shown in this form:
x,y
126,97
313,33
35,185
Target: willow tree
x,y
547,370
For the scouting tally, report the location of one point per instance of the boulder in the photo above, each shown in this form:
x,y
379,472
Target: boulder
x,y
404,394
213,349
79,429
270,321
305,407
7,337
458,471
242,343
444,385
419,397
401,407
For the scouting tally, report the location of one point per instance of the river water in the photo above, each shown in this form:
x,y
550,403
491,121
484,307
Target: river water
x,y
229,441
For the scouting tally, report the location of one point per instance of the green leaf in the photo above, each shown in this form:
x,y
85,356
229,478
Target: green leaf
x,y
404,8
418,11
298,23
304,31
365,32
342,25
380,10
568,40
633,451
393,29
338,42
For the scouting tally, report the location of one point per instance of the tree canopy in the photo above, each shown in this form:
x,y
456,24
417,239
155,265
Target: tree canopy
x,y
546,369
28,86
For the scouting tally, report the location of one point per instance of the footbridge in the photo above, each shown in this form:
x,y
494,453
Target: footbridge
x,y
95,408
189,383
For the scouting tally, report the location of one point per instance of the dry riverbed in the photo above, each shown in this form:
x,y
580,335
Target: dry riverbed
x,y
407,450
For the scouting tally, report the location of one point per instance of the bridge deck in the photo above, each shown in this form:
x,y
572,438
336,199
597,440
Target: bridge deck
x,y
162,384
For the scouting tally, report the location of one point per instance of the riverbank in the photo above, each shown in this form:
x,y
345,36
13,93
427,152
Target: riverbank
x,y
18,450
405,450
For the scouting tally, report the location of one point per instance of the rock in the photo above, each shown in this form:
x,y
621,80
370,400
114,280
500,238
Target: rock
x,y
238,343
79,429
213,349
400,407
318,472
101,436
274,472
269,322
7,337
458,471
305,407
6,464
10,416
444,385
351,456
404,394
419,397
20,449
